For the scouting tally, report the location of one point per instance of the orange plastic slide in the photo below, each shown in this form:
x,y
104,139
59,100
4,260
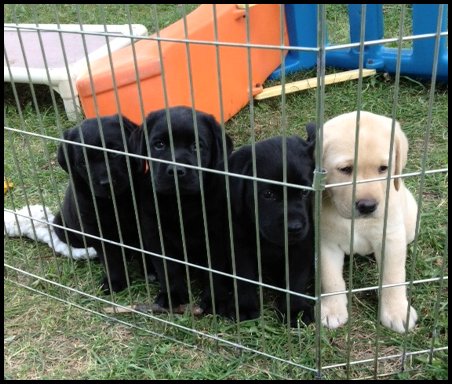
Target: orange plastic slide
x,y
264,27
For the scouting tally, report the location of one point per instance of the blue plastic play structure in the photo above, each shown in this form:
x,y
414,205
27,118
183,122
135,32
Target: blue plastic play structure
x,y
301,20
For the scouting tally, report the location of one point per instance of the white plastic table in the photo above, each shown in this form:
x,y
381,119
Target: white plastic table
x,y
25,58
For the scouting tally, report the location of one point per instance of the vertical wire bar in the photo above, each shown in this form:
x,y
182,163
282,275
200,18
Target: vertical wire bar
x,y
143,118
126,148
284,163
438,299
64,147
5,177
90,181
150,176
68,72
12,146
388,185
173,158
19,172
148,151
57,115
424,162
26,141
320,116
58,123
22,119
162,69
253,156
85,155
226,167
178,194
144,127
104,145
354,178
200,172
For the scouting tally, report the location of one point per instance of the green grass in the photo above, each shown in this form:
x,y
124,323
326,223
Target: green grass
x,y
47,338
146,14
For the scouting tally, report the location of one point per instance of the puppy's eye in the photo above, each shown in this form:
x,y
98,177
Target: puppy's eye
x,y
346,170
269,195
193,147
382,168
115,154
305,192
159,145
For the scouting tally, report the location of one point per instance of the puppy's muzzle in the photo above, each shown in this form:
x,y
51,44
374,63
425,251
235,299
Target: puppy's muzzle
x,y
294,228
106,182
177,170
366,206
295,231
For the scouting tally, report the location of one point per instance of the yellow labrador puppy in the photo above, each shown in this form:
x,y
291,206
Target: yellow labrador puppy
x,y
369,207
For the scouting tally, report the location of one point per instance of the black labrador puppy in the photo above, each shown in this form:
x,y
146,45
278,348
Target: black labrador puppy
x,y
271,223
175,190
110,182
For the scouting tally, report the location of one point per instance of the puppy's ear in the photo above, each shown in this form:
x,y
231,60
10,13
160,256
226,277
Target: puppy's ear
x,y
130,129
129,126
240,162
72,134
401,151
310,129
137,139
217,145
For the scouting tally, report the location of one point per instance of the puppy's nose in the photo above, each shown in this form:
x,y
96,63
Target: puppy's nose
x,y
105,182
366,206
294,227
180,171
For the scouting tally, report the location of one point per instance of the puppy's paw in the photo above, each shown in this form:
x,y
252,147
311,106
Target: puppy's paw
x,y
177,299
393,316
246,312
221,305
151,277
334,311
249,314
116,285
297,308
308,315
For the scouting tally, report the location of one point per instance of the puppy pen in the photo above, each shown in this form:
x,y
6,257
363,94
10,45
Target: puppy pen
x,y
209,346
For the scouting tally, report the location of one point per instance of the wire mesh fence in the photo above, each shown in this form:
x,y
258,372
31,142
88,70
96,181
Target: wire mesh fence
x,y
234,236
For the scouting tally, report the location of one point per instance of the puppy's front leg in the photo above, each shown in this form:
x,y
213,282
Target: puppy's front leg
x,y
221,285
176,285
246,266
114,267
394,303
333,308
299,277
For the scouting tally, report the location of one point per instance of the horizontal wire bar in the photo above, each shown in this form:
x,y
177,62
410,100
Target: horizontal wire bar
x,y
199,333
376,287
392,177
216,338
239,45
355,362
246,177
